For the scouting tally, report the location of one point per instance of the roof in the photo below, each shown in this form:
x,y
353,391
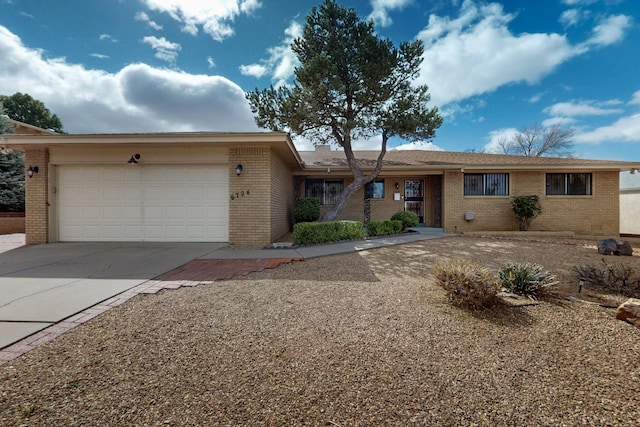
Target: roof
x,y
407,161
21,128
441,160
280,142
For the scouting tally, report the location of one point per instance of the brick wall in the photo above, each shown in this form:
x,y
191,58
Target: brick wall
x,y
383,209
36,198
281,205
595,214
249,213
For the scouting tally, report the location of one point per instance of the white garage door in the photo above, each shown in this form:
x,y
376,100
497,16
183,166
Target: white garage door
x,y
143,203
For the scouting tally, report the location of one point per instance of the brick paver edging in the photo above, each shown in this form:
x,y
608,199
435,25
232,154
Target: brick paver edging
x,y
194,273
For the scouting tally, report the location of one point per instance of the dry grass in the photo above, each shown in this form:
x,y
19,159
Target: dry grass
x,y
350,340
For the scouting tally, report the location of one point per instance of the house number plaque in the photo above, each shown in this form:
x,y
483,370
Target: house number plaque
x,y
239,194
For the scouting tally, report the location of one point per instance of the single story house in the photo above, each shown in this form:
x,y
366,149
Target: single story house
x,y
241,187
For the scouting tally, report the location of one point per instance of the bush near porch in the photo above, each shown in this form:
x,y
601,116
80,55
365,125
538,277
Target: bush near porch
x,y
308,233
384,228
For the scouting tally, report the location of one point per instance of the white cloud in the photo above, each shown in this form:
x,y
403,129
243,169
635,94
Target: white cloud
x,y
582,108
213,16
636,98
255,70
211,62
141,16
498,136
558,121
99,55
626,129
429,146
281,62
578,2
476,53
138,98
611,30
107,37
381,8
165,50
536,98
571,17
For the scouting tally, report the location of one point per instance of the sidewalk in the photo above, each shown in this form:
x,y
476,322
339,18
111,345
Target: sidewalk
x,y
314,251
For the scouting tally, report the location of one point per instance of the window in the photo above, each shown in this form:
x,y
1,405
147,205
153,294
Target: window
x,y
486,184
568,184
327,190
374,189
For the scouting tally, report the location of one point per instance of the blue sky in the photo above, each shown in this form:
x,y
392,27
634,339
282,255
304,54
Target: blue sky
x,y
492,67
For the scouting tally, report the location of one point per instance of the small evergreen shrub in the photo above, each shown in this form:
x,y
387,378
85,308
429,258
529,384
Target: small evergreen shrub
x,y
409,219
620,279
307,209
384,228
468,285
308,233
526,279
525,208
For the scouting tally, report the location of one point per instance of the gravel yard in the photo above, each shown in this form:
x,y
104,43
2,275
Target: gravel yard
x,y
363,339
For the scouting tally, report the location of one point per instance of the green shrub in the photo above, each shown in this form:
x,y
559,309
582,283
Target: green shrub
x,y
525,208
526,278
384,228
409,219
467,284
307,209
308,233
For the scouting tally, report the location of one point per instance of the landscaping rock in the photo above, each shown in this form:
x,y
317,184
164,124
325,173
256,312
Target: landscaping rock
x,y
614,247
629,311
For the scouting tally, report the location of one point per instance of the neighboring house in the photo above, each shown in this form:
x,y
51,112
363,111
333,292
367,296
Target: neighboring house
x,y
27,129
630,202
240,187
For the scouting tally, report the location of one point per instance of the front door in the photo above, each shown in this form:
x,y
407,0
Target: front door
x,y
414,197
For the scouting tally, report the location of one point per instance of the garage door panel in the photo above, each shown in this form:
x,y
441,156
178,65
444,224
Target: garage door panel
x,y
139,202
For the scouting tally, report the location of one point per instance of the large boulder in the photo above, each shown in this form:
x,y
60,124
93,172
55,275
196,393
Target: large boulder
x,y
629,311
614,247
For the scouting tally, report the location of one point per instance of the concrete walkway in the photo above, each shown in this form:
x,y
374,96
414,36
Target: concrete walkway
x,y
46,290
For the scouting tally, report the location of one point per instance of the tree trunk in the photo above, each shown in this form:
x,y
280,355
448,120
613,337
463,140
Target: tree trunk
x,y
351,189
359,178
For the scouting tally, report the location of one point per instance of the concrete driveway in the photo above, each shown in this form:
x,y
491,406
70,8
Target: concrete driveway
x,y
44,284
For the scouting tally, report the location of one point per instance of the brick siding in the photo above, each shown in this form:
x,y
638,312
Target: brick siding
x,y
36,198
281,204
596,214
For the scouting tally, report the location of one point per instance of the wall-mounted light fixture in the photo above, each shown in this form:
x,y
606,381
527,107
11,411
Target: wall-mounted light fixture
x,y
397,186
134,159
462,170
32,170
239,169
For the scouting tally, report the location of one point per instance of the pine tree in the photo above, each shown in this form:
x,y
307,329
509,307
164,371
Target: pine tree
x,y
11,173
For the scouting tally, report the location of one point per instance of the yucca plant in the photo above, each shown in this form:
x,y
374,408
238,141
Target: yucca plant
x,y
526,279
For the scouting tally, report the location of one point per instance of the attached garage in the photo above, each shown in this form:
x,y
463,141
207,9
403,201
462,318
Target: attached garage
x,y
186,203
235,188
